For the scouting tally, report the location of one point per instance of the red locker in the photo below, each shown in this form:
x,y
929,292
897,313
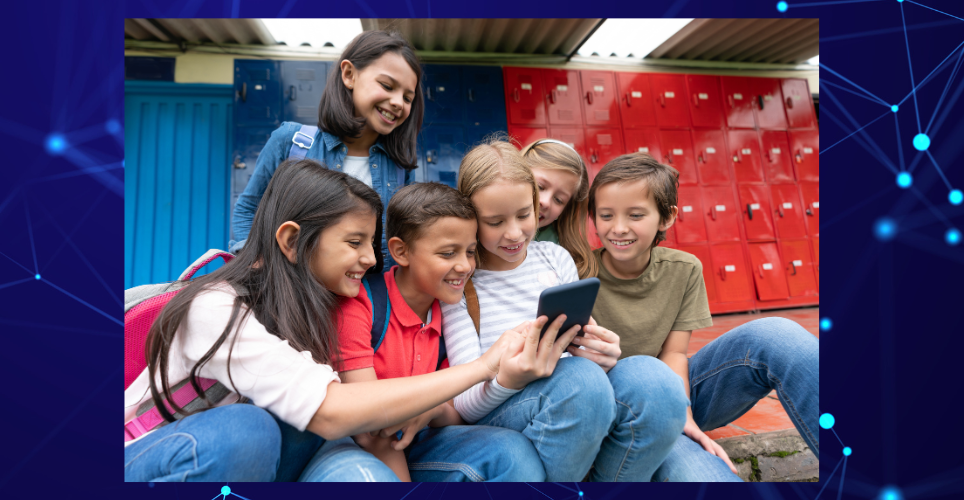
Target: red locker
x,y
573,137
771,282
776,156
805,148
769,104
711,157
526,135
815,243
798,103
599,99
594,241
729,272
787,211
677,147
755,206
798,267
703,253
744,148
705,108
810,192
602,144
670,241
643,141
635,100
721,214
563,98
672,104
525,97
690,226
737,101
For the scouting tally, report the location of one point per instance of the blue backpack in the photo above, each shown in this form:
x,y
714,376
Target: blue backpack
x,y
377,292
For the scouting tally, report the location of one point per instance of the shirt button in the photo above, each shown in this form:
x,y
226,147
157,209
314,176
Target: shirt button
x,y
338,166
374,165
343,149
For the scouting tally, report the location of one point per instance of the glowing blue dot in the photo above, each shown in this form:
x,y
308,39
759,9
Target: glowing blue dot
x,y
782,6
922,142
847,451
225,490
894,108
890,493
885,229
952,236
580,493
904,179
36,276
55,144
826,324
826,420
955,196
112,126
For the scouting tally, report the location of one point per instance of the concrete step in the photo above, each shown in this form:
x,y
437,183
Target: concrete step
x,y
779,456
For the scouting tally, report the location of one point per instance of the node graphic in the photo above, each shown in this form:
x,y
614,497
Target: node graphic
x,y
826,324
580,493
55,144
225,490
952,236
847,451
782,6
36,276
955,196
885,229
890,493
921,142
826,420
894,108
904,180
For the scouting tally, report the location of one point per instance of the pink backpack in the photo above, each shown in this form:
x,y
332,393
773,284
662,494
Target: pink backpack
x,y
142,305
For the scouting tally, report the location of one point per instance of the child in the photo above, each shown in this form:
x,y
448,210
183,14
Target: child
x,y
656,297
369,116
262,326
431,235
622,419
563,185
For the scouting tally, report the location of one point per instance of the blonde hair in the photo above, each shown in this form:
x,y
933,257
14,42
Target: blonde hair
x,y
494,159
550,154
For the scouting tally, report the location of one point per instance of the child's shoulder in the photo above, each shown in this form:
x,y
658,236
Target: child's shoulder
x,y
674,256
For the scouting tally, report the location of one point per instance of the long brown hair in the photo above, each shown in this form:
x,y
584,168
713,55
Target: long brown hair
x,y
572,221
286,298
336,112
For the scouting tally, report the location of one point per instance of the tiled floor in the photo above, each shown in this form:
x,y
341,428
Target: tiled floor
x,y
768,415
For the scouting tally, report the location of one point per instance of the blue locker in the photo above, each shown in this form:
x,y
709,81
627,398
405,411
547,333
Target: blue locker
x,y
444,102
484,96
441,148
257,92
301,85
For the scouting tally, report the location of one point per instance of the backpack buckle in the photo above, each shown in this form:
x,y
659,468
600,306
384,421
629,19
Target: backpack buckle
x,y
311,140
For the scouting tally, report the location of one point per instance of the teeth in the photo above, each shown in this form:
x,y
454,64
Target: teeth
x,y
355,276
513,248
454,282
386,114
622,243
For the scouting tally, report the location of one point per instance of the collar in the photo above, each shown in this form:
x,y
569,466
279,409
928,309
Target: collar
x,y
401,310
332,142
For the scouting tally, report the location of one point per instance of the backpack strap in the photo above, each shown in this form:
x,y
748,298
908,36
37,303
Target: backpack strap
x,y
151,418
302,142
472,303
377,292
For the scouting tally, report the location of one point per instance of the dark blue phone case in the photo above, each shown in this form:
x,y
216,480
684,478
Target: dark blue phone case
x,y
575,299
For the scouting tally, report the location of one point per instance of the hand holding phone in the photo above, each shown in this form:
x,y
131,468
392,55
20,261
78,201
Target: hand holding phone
x,y
575,300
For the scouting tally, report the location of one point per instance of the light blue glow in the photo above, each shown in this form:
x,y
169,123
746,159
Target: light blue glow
x,y
955,196
36,276
782,6
885,229
55,144
847,451
826,420
904,180
952,236
112,126
826,324
922,142
894,108
225,490
890,493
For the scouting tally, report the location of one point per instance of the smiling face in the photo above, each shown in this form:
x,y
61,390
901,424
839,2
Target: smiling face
x,y
442,258
556,188
382,92
627,221
345,252
507,223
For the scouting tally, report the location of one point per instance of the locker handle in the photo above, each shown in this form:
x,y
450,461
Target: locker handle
x,y
760,268
759,99
737,157
430,156
729,99
592,155
428,94
723,273
770,156
809,212
799,156
696,101
789,103
749,211
713,212
553,96
661,100
515,95
589,97
244,92
471,96
794,266
629,100
700,159
780,211
679,216
292,96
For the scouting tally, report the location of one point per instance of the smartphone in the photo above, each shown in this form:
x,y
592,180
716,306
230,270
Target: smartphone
x,y
575,300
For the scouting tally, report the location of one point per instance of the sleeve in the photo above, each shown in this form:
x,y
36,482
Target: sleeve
x,y
354,319
263,367
561,262
274,152
694,312
463,346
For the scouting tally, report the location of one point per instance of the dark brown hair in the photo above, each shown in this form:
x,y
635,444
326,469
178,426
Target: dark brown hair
x,y
336,112
661,180
416,206
286,298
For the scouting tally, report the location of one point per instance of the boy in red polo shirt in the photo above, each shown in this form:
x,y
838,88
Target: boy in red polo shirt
x,y
431,234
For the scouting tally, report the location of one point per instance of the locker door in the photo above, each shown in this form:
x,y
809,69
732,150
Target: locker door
x,y
805,149
248,143
635,100
564,100
526,135
776,156
787,211
769,104
475,133
755,206
442,148
798,267
711,156
729,272
643,141
810,192
301,85
599,99
745,154
703,253
737,101
690,226
442,90
525,97
677,147
721,214
257,93
705,108
672,103
483,95
602,144
670,241
574,137
815,244
771,282
798,103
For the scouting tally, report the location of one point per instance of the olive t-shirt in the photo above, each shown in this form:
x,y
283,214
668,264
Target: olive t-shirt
x,y
669,295
548,233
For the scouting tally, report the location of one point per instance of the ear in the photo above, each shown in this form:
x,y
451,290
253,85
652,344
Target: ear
x,y
668,223
287,238
399,250
348,73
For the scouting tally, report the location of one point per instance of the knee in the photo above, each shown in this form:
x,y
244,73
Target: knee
x,y
518,459
780,337
587,387
654,390
251,432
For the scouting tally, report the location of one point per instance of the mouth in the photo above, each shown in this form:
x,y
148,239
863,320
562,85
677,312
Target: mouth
x,y
513,249
541,217
387,116
456,283
355,277
622,243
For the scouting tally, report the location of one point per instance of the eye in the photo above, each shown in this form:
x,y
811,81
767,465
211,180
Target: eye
x,y
605,216
494,224
354,243
636,216
470,253
408,100
524,217
447,254
386,87
559,201
540,187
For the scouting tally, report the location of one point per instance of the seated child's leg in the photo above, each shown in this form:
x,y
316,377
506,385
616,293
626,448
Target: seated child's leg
x,y
650,413
473,453
689,462
342,460
297,449
730,374
565,416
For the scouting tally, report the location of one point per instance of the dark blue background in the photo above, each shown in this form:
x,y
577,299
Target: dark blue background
x,y
890,361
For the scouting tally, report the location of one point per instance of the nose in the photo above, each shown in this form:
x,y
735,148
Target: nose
x,y
367,257
397,101
513,232
620,227
544,197
464,264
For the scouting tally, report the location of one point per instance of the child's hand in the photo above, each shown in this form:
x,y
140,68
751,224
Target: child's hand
x,y
692,431
409,428
601,346
492,358
535,358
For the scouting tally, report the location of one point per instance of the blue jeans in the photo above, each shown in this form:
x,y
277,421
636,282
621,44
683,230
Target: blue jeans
x,y
730,374
473,453
622,423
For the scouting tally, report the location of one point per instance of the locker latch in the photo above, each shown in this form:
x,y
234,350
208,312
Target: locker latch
x,y
794,266
431,156
238,163
749,210
759,99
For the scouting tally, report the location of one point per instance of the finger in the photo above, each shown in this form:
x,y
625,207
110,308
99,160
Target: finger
x,y
532,335
596,345
389,431
406,440
602,333
726,458
592,321
552,347
599,359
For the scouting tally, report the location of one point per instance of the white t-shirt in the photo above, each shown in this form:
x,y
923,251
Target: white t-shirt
x,y
358,167
506,299
264,368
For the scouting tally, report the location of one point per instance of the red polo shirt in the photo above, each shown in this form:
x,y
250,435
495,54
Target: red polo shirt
x,y
409,348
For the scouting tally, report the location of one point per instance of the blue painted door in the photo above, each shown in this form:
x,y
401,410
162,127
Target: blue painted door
x,y
442,91
484,96
301,86
441,148
257,86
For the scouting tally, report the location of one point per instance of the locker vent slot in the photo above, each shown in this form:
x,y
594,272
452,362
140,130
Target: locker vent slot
x,y
305,111
561,80
604,139
528,114
259,74
602,114
565,115
305,74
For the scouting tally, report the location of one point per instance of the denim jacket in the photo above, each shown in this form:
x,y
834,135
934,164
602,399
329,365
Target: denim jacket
x,y
387,177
